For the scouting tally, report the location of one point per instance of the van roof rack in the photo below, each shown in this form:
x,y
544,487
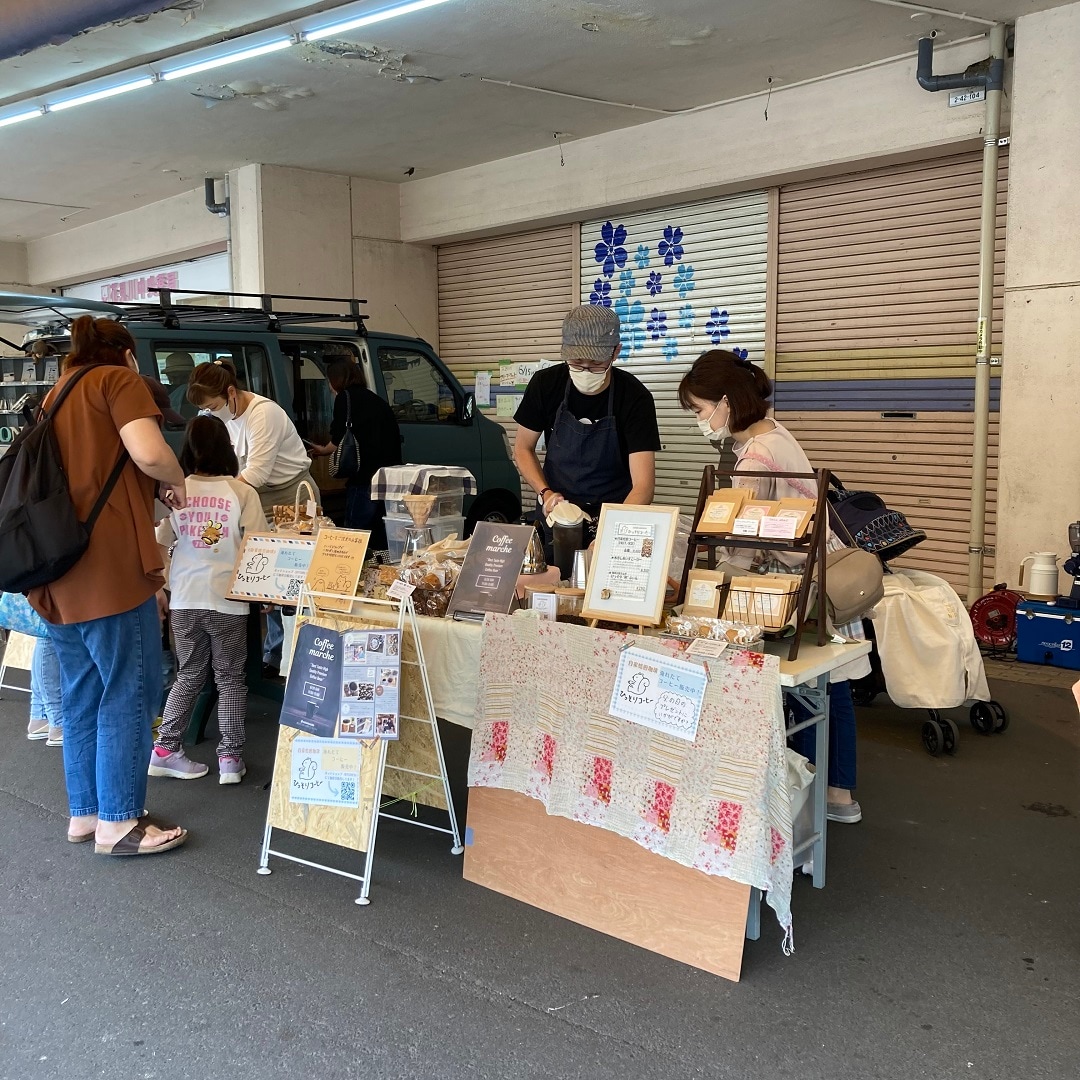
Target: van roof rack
x,y
173,316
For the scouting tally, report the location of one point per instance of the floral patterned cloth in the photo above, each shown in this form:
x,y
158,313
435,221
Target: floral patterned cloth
x,y
719,804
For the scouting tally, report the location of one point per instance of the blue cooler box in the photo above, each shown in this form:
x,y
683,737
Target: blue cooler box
x,y
1048,634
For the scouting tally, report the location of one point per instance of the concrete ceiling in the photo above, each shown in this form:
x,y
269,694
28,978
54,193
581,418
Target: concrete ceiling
x,y
407,94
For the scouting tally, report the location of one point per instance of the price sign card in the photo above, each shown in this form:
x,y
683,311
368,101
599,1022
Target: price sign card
x,y
324,772
659,692
271,568
336,565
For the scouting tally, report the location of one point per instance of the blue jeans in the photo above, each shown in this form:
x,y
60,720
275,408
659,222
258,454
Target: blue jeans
x,y
110,671
363,512
275,638
46,699
841,734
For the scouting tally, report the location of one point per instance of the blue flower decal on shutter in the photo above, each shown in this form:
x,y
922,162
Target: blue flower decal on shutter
x,y
610,252
670,249
601,293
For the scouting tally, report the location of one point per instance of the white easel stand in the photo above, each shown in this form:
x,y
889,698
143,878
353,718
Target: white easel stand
x,y
405,610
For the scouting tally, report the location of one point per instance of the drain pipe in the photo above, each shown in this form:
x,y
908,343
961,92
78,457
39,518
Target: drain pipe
x,y
218,209
992,80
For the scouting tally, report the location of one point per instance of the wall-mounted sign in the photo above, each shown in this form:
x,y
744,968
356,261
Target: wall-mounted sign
x,y
209,274
966,97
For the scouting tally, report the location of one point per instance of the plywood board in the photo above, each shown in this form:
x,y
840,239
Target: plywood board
x,y
345,827
605,882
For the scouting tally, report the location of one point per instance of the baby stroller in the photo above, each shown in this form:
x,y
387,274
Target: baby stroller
x,y
926,657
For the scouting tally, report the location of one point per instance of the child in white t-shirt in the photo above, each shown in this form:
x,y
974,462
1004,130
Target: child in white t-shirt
x,y
208,630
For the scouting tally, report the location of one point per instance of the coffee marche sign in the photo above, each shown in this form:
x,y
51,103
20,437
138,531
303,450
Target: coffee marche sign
x,y
208,274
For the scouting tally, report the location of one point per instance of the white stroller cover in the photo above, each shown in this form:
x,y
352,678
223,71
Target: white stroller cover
x,y
929,655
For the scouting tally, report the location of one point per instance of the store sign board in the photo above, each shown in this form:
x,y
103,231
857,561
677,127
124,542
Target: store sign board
x,y
210,274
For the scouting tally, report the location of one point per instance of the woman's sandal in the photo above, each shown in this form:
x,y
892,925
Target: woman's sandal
x,y
82,838
131,843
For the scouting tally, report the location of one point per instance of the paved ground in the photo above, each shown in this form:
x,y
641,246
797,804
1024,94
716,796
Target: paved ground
x,y
946,945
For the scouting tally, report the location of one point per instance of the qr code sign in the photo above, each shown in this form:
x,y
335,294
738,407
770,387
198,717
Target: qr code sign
x,y
348,792
293,591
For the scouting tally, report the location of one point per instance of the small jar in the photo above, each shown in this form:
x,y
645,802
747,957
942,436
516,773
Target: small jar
x,y
570,603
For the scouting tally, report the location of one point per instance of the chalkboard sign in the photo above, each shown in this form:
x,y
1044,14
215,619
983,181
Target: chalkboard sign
x,y
271,568
488,579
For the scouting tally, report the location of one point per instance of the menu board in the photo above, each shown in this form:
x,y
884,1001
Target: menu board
x,y
628,574
370,692
271,568
489,574
311,694
336,565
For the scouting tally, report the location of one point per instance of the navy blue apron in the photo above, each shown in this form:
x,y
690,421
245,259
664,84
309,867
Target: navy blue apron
x,y
584,462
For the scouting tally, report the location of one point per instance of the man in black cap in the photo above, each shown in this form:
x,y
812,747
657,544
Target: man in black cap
x,y
598,422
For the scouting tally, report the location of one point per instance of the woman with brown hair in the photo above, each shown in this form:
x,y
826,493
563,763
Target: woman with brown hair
x,y
104,614
729,395
272,457
378,442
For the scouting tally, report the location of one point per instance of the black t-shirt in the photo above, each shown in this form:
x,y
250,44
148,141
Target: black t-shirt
x,y
633,408
374,427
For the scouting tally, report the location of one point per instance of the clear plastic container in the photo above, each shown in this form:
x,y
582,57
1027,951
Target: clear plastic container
x,y
448,504
441,527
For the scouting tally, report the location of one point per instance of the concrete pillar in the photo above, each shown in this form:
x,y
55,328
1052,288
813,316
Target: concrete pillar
x,y
308,233
1039,483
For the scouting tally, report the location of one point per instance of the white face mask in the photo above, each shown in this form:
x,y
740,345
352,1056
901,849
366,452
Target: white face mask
x,y
224,414
588,382
707,430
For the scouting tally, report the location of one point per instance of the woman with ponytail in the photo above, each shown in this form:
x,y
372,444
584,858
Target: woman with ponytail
x,y
729,395
104,612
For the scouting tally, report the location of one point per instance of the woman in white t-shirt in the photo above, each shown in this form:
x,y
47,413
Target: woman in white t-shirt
x,y
209,630
730,398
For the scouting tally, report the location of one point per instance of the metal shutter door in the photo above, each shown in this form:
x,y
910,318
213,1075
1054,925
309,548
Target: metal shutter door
x,y
682,279
504,299
876,310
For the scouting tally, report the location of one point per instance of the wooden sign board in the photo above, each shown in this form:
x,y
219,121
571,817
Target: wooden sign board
x,y
345,826
271,568
629,570
336,566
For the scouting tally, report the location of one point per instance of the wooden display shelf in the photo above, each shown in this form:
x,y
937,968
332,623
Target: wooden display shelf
x,y
813,545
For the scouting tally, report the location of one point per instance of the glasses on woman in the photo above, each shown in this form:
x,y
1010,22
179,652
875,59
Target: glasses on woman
x,y
593,369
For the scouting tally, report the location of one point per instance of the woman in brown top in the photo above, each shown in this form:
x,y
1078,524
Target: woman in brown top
x,y
104,612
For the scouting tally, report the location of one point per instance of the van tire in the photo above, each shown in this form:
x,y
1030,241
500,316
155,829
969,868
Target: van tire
x,y
493,506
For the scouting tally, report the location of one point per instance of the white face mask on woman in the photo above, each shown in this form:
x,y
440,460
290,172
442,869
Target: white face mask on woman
x,y
714,434
588,382
224,414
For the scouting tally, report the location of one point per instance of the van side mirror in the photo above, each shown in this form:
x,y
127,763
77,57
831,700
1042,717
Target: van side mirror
x,y
468,407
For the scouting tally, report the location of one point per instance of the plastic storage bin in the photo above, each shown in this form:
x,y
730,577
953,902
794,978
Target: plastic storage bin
x,y
447,504
441,527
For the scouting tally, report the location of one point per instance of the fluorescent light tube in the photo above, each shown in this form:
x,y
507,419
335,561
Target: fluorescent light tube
x,y
17,118
98,95
369,18
228,58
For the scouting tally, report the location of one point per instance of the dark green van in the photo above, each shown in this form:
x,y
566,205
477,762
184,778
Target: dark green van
x,y
282,354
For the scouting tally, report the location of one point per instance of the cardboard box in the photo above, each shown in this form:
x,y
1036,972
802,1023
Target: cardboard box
x,y
703,593
721,510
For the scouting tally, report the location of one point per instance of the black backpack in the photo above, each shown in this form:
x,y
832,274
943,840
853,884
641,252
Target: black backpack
x,y
871,524
41,537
